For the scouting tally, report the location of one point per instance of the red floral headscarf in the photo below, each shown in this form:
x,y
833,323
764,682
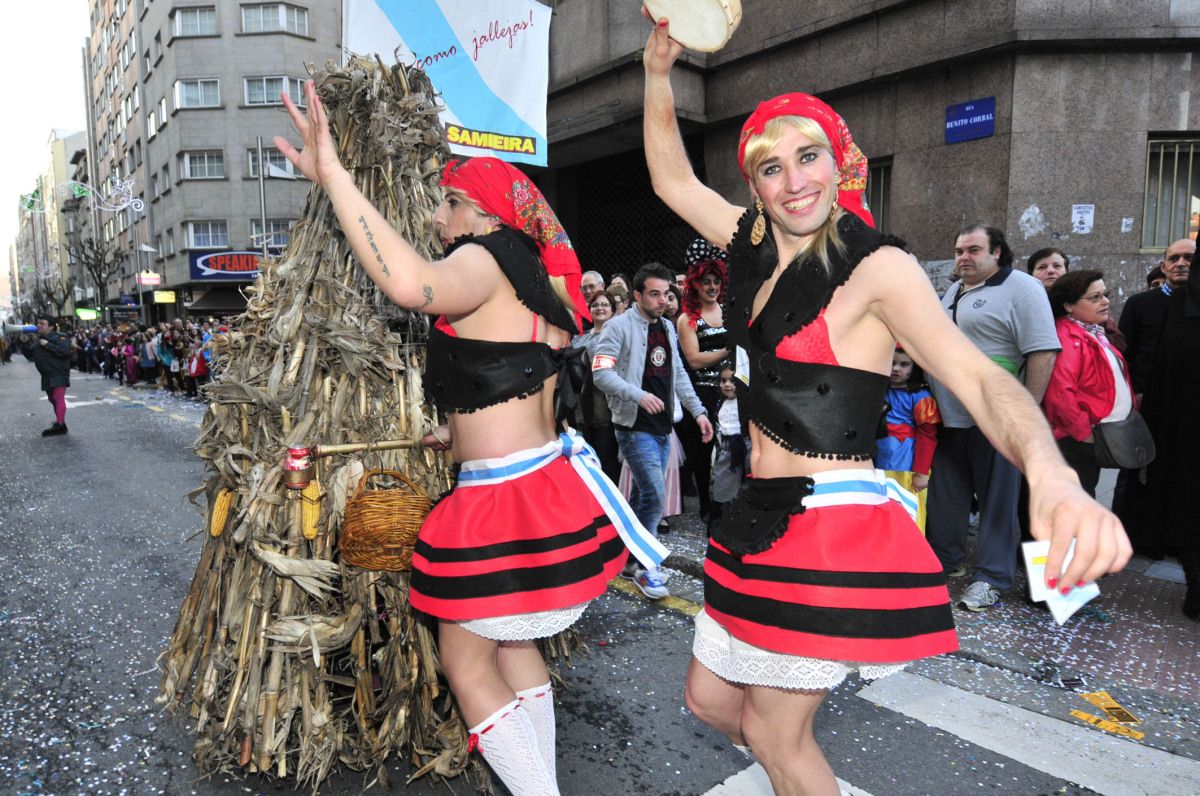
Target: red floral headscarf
x,y
501,190
851,162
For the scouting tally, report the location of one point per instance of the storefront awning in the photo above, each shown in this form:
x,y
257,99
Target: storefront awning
x,y
220,299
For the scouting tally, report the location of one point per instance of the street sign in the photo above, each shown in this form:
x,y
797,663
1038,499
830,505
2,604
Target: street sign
x,y
164,297
149,279
968,121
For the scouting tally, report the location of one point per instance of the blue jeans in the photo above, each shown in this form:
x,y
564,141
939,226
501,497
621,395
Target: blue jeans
x,y
966,464
646,455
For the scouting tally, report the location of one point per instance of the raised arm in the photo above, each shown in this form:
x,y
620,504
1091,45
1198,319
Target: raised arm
x,y
456,286
1004,410
670,171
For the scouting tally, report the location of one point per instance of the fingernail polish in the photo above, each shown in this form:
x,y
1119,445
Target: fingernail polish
x,y
1065,589
1081,584
1052,582
662,23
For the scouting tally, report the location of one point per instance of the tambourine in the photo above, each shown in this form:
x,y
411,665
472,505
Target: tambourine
x,y
701,25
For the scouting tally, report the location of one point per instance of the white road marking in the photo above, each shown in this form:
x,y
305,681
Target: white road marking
x,y
753,782
77,403
1063,748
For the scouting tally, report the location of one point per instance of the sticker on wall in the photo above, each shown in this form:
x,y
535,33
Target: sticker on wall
x,y
1126,225
1082,218
1032,221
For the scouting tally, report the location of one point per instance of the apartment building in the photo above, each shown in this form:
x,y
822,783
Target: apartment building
x,y
1068,124
181,92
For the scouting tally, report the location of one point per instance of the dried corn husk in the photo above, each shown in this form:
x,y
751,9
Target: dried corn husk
x,y
288,660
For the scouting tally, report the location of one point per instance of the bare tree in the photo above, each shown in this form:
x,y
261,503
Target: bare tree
x,y
101,260
57,291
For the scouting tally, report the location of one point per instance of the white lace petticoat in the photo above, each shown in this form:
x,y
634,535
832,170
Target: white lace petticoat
x,y
738,662
523,627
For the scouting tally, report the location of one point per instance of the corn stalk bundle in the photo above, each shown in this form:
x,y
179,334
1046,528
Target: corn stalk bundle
x,y
287,659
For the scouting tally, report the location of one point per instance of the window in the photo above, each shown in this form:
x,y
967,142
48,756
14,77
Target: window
x,y
879,193
162,111
1172,208
207,235
151,124
197,93
165,182
279,232
206,164
152,186
146,62
199,21
170,242
273,157
157,47
266,90
273,18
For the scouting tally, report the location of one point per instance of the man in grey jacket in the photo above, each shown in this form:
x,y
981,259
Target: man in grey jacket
x,y
638,366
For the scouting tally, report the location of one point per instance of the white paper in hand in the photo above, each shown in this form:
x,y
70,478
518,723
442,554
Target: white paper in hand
x,y
1061,606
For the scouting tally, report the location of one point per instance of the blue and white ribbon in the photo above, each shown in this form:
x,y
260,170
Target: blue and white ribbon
x,y
640,542
859,486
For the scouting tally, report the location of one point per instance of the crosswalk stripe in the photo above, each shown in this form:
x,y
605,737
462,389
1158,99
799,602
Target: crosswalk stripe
x,y
1107,764
753,781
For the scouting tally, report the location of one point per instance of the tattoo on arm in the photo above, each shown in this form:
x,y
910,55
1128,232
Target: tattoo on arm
x,y
428,293
375,248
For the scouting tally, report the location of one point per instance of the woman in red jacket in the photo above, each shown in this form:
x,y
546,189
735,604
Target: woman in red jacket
x,y
1090,383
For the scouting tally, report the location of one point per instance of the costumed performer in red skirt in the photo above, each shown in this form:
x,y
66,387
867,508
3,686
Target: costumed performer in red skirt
x,y
533,529
818,568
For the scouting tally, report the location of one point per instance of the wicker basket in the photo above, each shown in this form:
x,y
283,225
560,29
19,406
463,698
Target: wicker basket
x,y
380,526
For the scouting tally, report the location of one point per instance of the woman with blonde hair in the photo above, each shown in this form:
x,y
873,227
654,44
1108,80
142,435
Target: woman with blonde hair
x,y
818,569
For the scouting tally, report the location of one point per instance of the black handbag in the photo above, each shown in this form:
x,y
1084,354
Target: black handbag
x,y
1126,443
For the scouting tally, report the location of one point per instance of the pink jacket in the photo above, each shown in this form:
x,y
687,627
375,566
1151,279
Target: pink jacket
x,y
1082,391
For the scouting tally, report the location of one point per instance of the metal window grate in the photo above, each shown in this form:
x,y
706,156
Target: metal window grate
x,y
879,193
1172,209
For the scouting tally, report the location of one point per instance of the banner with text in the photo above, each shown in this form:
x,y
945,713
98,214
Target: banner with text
x,y
489,59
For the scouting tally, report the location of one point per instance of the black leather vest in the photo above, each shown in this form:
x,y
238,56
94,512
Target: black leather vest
x,y
464,375
826,411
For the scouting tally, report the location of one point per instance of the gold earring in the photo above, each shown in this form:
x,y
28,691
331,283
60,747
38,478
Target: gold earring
x,y
759,230
833,208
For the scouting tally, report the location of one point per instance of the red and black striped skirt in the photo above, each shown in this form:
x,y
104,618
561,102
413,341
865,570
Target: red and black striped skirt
x,y
844,582
539,542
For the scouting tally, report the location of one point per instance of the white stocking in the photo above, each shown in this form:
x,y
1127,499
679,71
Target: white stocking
x,y
508,743
539,704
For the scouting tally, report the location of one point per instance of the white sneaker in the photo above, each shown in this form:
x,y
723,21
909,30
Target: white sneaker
x,y
979,596
652,584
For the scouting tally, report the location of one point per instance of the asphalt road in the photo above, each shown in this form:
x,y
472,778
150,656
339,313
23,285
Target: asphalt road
x,y
97,545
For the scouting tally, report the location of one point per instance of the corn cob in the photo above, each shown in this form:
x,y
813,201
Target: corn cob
x,y
310,509
222,504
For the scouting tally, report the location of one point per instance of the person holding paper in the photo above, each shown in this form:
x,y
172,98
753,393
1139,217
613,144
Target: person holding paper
x,y
818,568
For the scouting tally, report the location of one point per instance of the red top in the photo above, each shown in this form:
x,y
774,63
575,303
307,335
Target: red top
x,y
1082,390
810,344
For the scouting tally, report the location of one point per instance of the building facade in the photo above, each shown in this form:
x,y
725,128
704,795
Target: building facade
x,y
181,93
1090,145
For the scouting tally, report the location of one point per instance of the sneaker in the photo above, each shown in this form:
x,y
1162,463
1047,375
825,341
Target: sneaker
x,y
979,596
630,572
664,527
957,572
55,430
652,584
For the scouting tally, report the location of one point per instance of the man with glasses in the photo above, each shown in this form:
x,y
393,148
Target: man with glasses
x,y
1006,314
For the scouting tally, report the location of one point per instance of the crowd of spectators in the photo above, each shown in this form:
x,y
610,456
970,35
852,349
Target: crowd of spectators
x,y
170,355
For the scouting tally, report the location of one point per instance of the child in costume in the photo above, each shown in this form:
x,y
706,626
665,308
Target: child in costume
x,y
731,453
906,453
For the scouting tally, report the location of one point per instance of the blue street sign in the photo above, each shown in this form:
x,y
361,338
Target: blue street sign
x,y
968,121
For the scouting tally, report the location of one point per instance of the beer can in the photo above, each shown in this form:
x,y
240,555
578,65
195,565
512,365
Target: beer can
x,y
297,467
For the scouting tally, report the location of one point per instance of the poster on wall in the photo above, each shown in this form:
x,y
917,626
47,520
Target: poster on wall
x,y
489,59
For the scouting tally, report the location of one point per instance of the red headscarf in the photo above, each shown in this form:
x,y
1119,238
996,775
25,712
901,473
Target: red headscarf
x,y
503,191
851,162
